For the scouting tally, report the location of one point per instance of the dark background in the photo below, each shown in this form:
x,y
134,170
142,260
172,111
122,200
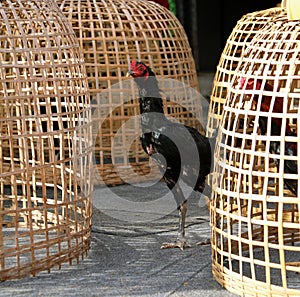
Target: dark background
x,y
209,23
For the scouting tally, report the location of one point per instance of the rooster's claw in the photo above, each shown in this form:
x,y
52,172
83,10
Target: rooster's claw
x,y
178,244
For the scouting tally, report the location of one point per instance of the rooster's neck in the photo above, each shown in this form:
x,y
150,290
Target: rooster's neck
x,y
149,95
151,104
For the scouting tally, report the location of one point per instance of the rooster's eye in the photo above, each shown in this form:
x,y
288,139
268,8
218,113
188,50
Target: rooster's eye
x,y
141,68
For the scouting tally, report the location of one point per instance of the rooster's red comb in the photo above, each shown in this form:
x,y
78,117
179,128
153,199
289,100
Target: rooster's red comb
x,y
249,84
242,82
133,64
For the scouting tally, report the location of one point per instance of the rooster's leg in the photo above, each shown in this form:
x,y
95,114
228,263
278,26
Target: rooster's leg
x,y
181,241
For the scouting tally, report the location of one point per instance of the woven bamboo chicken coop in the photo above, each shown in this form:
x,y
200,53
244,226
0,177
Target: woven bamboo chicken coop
x,y
111,34
237,42
255,208
45,141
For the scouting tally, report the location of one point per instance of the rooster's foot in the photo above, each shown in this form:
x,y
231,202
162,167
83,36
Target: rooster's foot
x,y
180,243
205,242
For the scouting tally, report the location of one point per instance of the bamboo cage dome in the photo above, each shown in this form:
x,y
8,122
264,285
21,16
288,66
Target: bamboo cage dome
x,y
111,34
240,37
45,141
255,207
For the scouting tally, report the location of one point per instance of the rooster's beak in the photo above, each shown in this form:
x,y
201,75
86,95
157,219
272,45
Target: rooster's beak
x,y
129,74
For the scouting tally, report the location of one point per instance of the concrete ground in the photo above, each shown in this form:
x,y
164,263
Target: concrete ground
x,y
130,223
125,257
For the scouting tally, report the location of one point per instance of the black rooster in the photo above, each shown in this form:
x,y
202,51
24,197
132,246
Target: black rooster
x,y
290,166
181,152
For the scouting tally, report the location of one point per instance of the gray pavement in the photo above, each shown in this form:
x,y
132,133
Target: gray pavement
x,y
130,223
125,257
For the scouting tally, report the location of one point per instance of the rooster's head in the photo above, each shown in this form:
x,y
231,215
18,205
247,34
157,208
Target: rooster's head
x,y
138,69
